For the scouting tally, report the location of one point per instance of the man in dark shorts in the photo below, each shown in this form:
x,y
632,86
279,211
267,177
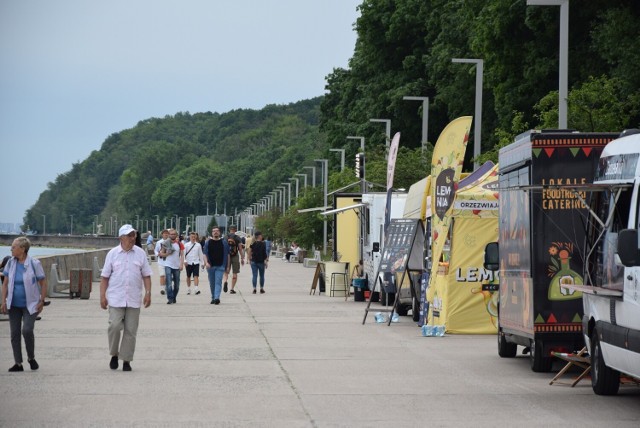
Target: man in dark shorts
x,y
193,258
236,253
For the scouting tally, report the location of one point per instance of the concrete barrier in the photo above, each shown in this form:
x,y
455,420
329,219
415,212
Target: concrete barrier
x,y
63,264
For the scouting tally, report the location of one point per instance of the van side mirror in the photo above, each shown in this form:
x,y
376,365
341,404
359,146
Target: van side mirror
x,y
628,247
491,256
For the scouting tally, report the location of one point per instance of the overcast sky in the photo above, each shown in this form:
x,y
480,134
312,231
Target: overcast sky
x,y
72,72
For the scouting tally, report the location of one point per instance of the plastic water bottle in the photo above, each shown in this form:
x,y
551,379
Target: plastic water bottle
x,y
380,318
427,330
439,330
395,317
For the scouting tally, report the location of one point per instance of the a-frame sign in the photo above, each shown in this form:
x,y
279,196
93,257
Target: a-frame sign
x,y
403,251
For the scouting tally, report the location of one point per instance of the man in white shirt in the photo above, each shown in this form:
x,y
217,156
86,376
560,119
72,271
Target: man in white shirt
x,y
165,235
172,251
193,258
125,274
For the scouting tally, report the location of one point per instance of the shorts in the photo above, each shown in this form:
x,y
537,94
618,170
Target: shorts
x,y
235,263
193,270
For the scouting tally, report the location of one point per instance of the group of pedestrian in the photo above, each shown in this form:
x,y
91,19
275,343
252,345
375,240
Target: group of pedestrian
x,y
125,284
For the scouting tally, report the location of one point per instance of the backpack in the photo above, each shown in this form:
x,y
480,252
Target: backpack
x,y
233,247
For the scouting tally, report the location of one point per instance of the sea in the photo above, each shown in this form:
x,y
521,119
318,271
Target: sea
x,y
5,250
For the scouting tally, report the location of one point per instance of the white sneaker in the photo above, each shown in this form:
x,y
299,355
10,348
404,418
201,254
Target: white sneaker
x,y
197,290
189,291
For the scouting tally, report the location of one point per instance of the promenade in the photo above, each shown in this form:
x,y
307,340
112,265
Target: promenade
x,y
281,359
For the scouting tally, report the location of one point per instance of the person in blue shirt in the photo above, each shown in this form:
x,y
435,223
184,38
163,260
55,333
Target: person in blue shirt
x,y
24,289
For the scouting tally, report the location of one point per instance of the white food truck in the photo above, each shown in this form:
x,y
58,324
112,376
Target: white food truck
x,y
611,290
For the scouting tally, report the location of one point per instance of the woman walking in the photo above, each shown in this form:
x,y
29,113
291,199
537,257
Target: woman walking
x,y
23,291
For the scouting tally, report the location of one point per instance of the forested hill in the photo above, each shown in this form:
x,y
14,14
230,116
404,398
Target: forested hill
x,y
178,164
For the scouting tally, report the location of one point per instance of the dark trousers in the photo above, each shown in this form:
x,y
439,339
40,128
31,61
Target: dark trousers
x,y
21,322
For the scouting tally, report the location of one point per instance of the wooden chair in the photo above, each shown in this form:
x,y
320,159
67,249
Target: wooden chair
x,y
581,359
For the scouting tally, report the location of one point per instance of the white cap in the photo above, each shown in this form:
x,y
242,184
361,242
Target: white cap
x,y
125,230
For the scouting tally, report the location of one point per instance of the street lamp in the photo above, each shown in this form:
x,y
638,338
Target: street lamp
x,y
44,224
425,118
341,157
289,189
297,185
387,123
305,178
478,114
563,78
362,180
313,174
325,165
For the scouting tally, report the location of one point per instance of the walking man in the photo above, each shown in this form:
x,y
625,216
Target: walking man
x,y
173,252
236,253
165,236
193,258
216,254
149,242
259,259
125,274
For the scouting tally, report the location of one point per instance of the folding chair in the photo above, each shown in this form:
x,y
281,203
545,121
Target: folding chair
x,y
581,359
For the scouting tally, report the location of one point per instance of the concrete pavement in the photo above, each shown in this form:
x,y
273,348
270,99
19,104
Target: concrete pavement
x,y
282,359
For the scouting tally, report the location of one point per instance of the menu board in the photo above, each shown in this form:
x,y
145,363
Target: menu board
x,y
399,242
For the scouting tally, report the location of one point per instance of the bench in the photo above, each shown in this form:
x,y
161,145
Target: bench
x,y
96,271
312,262
56,285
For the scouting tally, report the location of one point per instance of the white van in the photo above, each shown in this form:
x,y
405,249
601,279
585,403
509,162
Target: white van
x,y
611,294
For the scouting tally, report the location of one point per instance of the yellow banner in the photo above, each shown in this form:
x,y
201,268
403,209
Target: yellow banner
x,y
446,165
458,299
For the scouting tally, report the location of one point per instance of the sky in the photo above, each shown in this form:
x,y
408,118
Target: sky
x,y
73,72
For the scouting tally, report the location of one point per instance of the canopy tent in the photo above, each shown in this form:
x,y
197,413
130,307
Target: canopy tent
x,y
455,293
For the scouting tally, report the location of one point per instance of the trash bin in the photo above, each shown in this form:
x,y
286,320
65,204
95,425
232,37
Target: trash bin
x,y
80,283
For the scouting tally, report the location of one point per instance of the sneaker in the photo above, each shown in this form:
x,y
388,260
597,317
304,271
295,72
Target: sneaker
x,y
225,288
126,367
254,291
232,291
262,291
188,291
34,364
162,291
213,302
197,290
216,302
113,364
16,368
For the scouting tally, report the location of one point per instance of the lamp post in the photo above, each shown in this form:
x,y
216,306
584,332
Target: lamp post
x,y
341,157
387,123
325,179
477,126
425,118
71,228
305,178
289,190
313,174
44,224
563,78
362,180
137,222
297,185
157,226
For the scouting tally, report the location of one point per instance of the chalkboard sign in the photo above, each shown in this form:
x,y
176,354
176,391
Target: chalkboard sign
x,y
403,246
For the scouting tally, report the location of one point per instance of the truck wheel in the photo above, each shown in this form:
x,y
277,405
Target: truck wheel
x,y
604,380
539,362
415,309
506,349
